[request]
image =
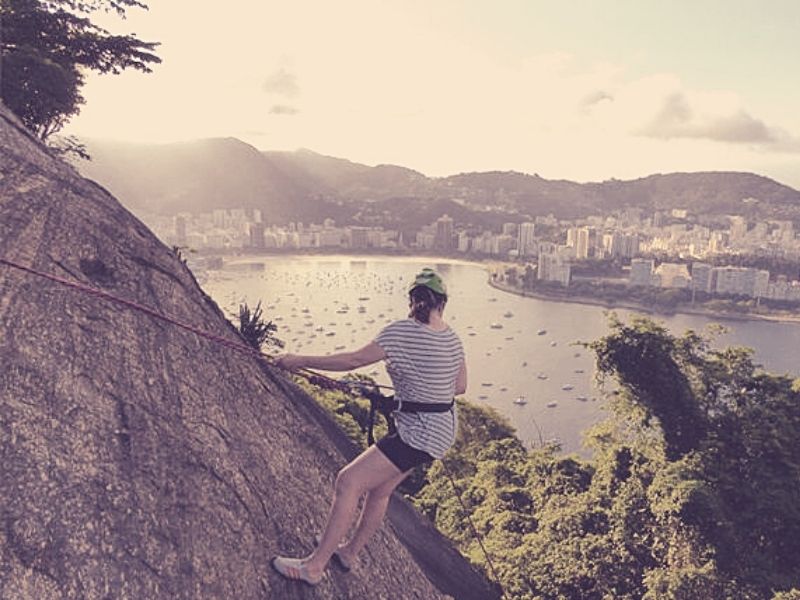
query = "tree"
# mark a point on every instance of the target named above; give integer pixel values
(47, 48)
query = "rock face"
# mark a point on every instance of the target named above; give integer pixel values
(138, 459)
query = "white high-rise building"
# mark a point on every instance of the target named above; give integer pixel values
(702, 280)
(582, 243)
(741, 281)
(738, 227)
(553, 266)
(673, 275)
(526, 240)
(641, 272)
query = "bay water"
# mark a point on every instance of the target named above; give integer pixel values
(524, 356)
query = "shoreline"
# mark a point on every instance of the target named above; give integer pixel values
(489, 265)
(633, 306)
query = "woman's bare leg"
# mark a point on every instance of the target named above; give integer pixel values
(370, 470)
(372, 514)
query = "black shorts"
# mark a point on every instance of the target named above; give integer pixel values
(401, 454)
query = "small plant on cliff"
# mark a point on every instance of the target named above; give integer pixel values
(255, 330)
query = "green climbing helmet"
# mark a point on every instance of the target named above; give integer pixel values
(430, 279)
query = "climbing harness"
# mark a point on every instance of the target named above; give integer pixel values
(385, 405)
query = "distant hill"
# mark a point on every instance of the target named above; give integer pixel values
(194, 176)
(303, 185)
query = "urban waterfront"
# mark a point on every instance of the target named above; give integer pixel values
(516, 347)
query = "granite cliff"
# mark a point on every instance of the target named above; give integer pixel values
(140, 460)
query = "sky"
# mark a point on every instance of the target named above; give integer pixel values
(577, 89)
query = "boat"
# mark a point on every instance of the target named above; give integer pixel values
(487, 384)
(581, 398)
(331, 333)
(567, 387)
(472, 333)
(553, 343)
(496, 326)
(552, 404)
(508, 314)
(340, 347)
(363, 298)
(520, 400)
(541, 376)
(541, 332)
(578, 371)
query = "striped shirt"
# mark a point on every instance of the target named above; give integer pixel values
(423, 365)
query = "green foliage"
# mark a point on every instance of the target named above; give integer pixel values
(47, 48)
(255, 330)
(350, 411)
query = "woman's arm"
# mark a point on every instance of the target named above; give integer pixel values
(461, 379)
(343, 361)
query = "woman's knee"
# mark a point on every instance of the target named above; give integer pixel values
(384, 490)
(347, 482)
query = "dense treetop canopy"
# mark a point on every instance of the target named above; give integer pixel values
(47, 48)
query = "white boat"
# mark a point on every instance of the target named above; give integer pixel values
(552, 404)
(553, 343)
(520, 400)
(541, 332)
(567, 387)
(541, 376)
(496, 326)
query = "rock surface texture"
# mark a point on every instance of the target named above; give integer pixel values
(138, 459)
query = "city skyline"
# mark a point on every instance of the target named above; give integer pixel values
(620, 90)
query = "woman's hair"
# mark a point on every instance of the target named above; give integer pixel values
(423, 300)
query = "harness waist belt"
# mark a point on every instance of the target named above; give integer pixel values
(417, 407)
(386, 405)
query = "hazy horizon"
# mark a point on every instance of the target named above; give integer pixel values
(584, 93)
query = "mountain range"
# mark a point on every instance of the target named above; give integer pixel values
(303, 185)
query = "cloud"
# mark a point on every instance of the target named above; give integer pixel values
(283, 109)
(677, 118)
(282, 83)
(593, 99)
